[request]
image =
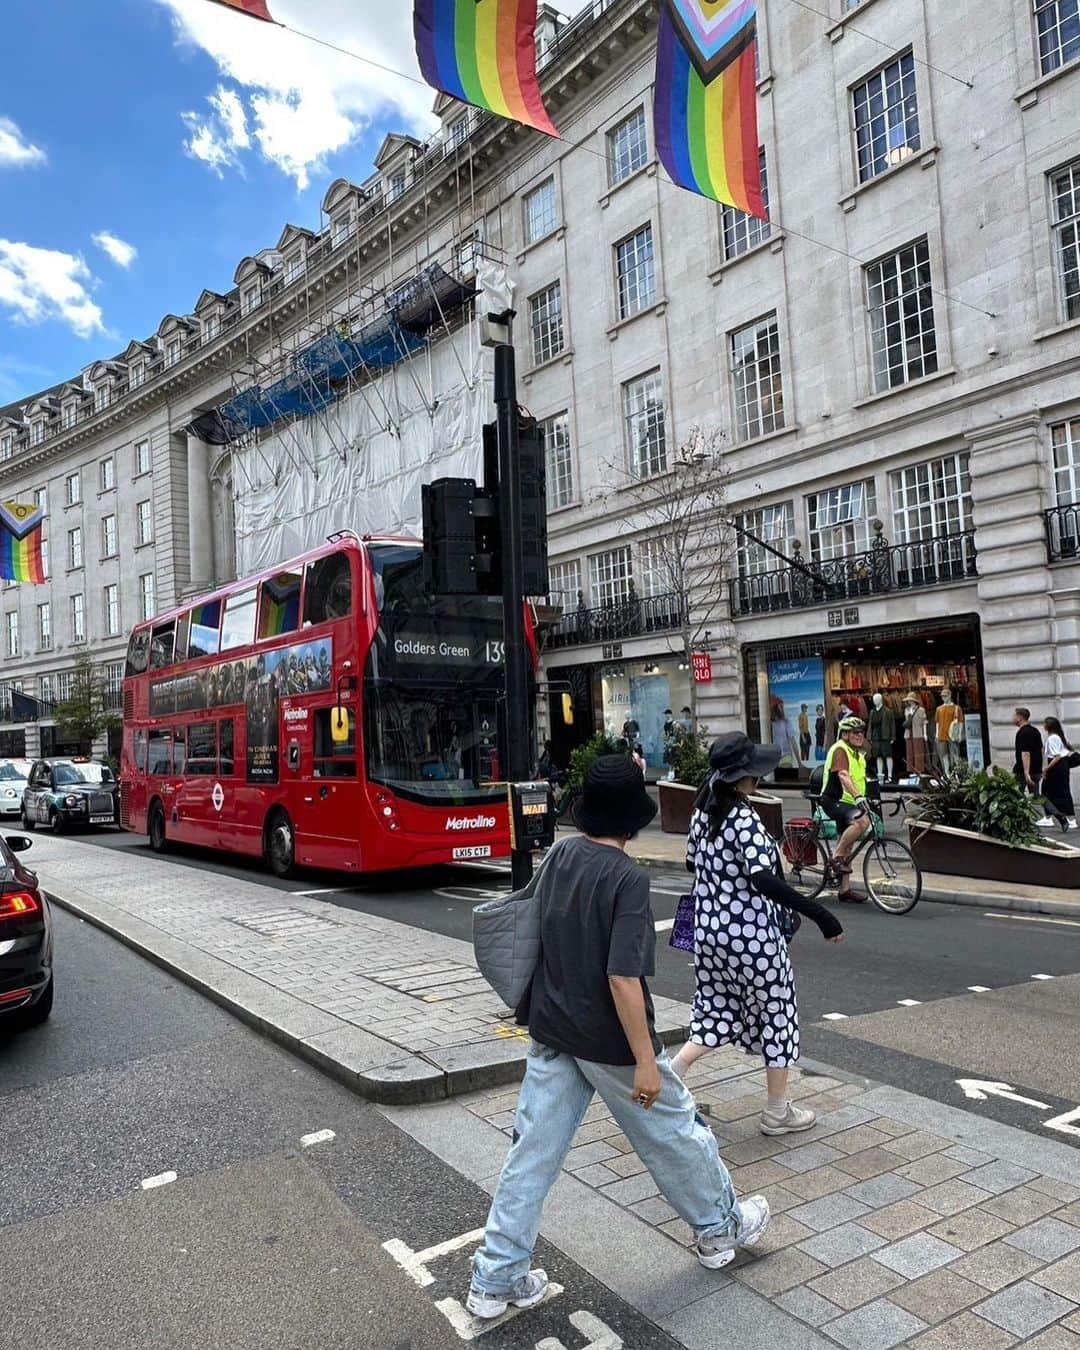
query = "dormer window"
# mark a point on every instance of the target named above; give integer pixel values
(68, 414)
(294, 267)
(457, 131)
(7, 445)
(37, 431)
(341, 227)
(136, 374)
(252, 298)
(173, 351)
(211, 327)
(101, 398)
(395, 186)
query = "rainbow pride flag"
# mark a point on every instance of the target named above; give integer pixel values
(706, 100)
(280, 606)
(20, 559)
(483, 52)
(256, 8)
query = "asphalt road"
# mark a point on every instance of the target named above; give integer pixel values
(259, 1242)
(1023, 1031)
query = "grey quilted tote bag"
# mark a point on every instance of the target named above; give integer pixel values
(506, 939)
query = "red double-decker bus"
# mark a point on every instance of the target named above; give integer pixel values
(326, 713)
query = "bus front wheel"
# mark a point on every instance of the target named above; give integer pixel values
(279, 844)
(155, 829)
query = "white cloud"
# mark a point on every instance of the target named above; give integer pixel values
(37, 284)
(292, 101)
(15, 149)
(122, 253)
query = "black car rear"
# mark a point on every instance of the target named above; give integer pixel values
(26, 978)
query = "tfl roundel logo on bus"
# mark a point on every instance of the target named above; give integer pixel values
(218, 796)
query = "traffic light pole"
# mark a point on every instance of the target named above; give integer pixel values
(518, 712)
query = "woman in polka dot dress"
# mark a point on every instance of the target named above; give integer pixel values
(745, 985)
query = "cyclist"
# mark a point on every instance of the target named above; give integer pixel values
(843, 798)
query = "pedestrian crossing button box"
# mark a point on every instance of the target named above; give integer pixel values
(532, 815)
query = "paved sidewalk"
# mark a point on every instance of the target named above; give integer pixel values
(898, 1221)
(399, 1014)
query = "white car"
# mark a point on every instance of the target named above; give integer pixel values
(13, 776)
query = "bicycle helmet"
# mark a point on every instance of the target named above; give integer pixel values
(851, 724)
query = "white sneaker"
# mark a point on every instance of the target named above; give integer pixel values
(716, 1253)
(530, 1291)
(794, 1119)
(1046, 823)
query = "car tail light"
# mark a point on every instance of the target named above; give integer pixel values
(19, 905)
(16, 996)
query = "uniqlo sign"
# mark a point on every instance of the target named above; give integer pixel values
(702, 664)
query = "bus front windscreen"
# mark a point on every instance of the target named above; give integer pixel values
(432, 686)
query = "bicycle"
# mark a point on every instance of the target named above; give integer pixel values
(892, 877)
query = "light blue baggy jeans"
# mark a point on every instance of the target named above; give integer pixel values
(680, 1152)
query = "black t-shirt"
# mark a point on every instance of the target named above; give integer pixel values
(595, 922)
(1028, 738)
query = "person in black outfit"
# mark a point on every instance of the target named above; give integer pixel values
(1029, 752)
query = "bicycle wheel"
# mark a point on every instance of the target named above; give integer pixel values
(808, 878)
(891, 876)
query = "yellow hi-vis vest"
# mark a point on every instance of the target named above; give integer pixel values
(856, 770)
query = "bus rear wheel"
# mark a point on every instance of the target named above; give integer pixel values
(279, 844)
(155, 829)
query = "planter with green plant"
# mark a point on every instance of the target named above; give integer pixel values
(688, 760)
(983, 825)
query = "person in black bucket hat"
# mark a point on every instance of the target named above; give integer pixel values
(745, 991)
(590, 1016)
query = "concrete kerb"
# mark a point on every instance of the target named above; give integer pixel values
(374, 1068)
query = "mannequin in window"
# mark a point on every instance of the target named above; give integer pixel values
(950, 731)
(882, 733)
(915, 734)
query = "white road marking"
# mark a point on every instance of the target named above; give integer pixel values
(979, 989)
(659, 890)
(665, 925)
(1042, 977)
(909, 1002)
(1068, 1123)
(469, 1327)
(326, 890)
(1035, 918)
(319, 1137)
(976, 1091)
(164, 1179)
(835, 1017)
(603, 1338)
(415, 1263)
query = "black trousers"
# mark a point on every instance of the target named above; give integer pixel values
(1056, 791)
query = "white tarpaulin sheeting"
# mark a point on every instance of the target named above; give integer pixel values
(421, 420)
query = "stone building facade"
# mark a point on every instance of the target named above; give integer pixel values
(891, 365)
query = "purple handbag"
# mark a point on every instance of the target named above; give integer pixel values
(682, 933)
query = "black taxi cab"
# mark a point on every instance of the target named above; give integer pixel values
(64, 793)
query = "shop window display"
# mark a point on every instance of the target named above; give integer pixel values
(642, 702)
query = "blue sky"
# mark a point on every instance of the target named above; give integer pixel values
(146, 146)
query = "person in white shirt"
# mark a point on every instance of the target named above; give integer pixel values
(1055, 784)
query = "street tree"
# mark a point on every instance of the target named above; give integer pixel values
(85, 715)
(687, 546)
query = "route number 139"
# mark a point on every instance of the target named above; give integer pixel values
(495, 653)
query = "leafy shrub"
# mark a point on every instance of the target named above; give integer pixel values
(688, 756)
(581, 759)
(990, 803)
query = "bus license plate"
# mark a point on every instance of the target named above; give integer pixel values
(101, 820)
(473, 851)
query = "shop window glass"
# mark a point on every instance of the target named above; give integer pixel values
(279, 607)
(334, 760)
(202, 749)
(160, 753)
(226, 762)
(238, 630)
(328, 590)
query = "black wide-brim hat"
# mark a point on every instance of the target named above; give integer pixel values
(613, 802)
(734, 756)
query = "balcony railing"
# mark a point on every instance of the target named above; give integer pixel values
(1063, 533)
(879, 570)
(636, 616)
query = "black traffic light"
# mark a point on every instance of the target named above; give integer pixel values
(463, 552)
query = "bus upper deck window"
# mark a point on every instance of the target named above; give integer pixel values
(205, 623)
(138, 657)
(238, 630)
(279, 606)
(161, 646)
(328, 594)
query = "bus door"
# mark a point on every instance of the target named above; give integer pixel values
(195, 810)
(327, 791)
